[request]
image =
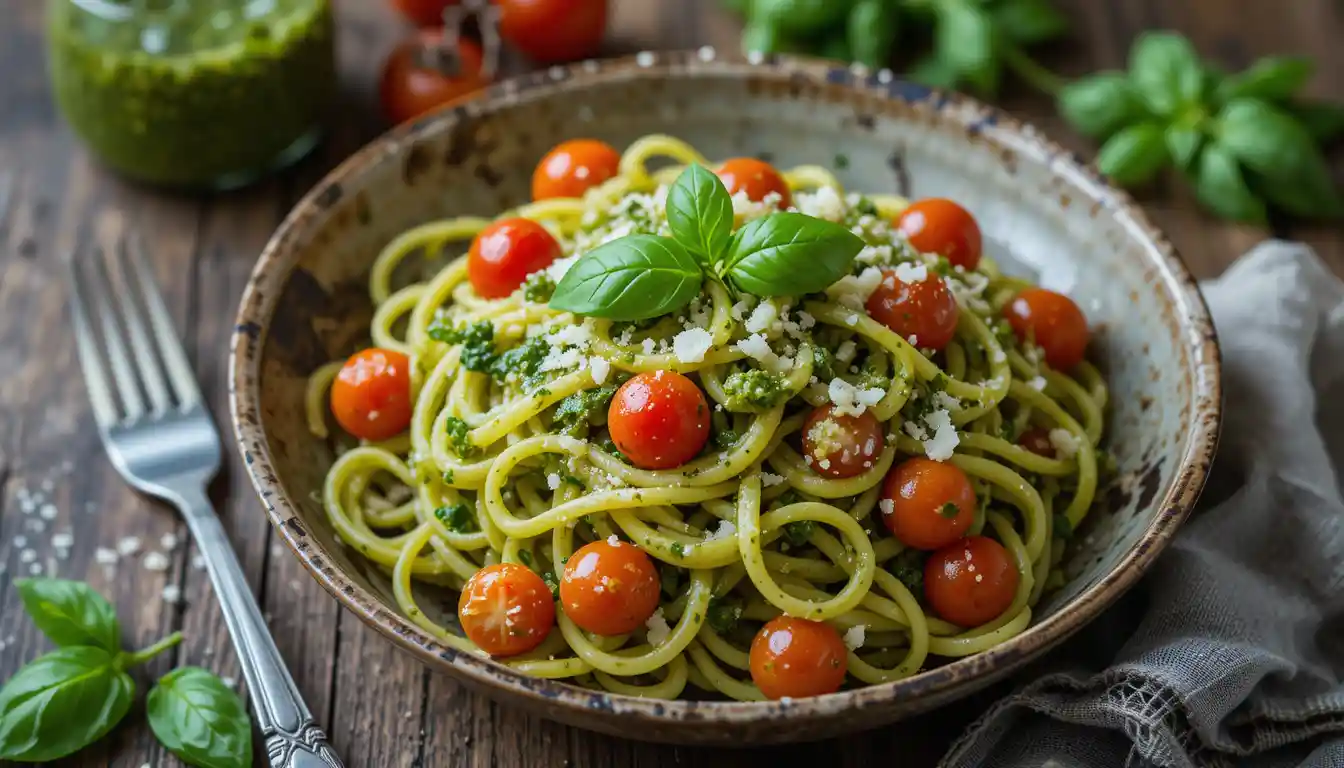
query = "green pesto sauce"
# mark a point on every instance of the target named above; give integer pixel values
(195, 93)
(754, 389)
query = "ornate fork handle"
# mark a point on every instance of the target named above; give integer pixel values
(292, 739)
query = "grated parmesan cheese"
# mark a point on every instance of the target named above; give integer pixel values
(726, 530)
(825, 203)
(657, 629)
(691, 345)
(1065, 443)
(846, 350)
(854, 637)
(1037, 383)
(887, 506)
(769, 480)
(945, 438)
(553, 480)
(757, 348)
(850, 400)
(912, 273)
(599, 368)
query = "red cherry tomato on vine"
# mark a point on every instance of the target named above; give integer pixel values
(573, 167)
(414, 82)
(424, 13)
(971, 581)
(505, 253)
(841, 446)
(755, 177)
(927, 504)
(1053, 321)
(506, 609)
(609, 589)
(551, 31)
(796, 658)
(371, 395)
(923, 312)
(659, 420)
(935, 225)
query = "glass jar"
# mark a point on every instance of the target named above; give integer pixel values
(201, 94)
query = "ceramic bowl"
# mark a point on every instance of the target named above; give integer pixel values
(1043, 210)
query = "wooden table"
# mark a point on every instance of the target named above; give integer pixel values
(380, 707)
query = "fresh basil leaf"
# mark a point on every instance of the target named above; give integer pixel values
(1134, 155)
(1222, 188)
(1273, 79)
(1030, 21)
(836, 47)
(1183, 143)
(1323, 120)
(1166, 71)
(700, 213)
(790, 254)
(200, 719)
(764, 37)
(1291, 170)
(965, 40)
(800, 17)
(71, 613)
(1101, 104)
(61, 702)
(932, 70)
(871, 32)
(630, 278)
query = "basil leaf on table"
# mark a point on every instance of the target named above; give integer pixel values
(1030, 21)
(1293, 172)
(1322, 120)
(1221, 187)
(1274, 79)
(790, 254)
(1134, 155)
(1183, 143)
(1166, 71)
(62, 702)
(633, 278)
(71, 613)
(700, 213)
(871, 32)
(1100, 105)
(200, 719)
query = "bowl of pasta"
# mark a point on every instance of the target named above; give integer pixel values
(708, 400)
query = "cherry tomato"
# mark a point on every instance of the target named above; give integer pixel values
(924, 313)
(932, 503)
(971, 581)
(756, 178)
(424, 13)
(659, 420)
(413, 82)
(796, 658)
(573, 168)
(371, 396)
(1037, 440)
(1053, 321)
(554, 30)
(841, 446)
(506, 609)
(505, 253)
(609, 588)
(935, 225)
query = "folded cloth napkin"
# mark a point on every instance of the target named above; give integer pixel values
(1231, 651)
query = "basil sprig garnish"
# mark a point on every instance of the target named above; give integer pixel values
(64, 701)
(637, 277)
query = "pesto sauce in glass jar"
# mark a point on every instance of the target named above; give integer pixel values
(202, 94)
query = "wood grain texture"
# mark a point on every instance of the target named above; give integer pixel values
(380, 707)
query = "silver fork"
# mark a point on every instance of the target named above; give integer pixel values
(160, 437)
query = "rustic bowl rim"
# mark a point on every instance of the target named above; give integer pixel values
(1195, 324)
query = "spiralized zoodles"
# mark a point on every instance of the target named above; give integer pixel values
(842, 471)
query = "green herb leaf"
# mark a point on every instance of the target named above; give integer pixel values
(1324, 121)
(723, 614)
(61, 702)
(457, 518)
(932, 70)
(908, 568)
(1275, 78)
(802, 17)
(577, 413)
(552, 583)
(1166, 72)
(1222, 188)
(539, 287)
(458, 435)
(871, 32)
(678, 549)
(763, 37)
(1183, 143)
(1134, 155)
(799, 532)
(1063, 529)
(1290, 168)
(790, 254)
(949, 510)
(1030, 21)
(630, 278)
(1101, 104)
(700, 213)
(200, 719)
(964, 40)
(71, 613)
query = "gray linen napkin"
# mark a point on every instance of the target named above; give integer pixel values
(1231, 651)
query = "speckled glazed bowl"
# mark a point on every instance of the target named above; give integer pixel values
(1044, 211)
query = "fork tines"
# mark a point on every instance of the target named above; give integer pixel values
(133, 363)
